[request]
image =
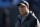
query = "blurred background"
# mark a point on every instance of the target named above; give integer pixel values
(9, 11)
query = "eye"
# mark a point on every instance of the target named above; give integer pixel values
(23, 6)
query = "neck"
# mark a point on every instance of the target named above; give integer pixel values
(24, 15)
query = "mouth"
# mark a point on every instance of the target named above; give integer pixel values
(22, 11)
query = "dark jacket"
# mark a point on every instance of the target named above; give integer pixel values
(30, 21)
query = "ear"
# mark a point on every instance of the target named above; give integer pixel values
(28, 7)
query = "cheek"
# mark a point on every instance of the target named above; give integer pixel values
(24, 9)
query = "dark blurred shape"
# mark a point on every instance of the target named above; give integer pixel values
(4, 17)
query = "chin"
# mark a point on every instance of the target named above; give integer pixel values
(22, 13)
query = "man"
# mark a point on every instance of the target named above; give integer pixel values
(25, 19)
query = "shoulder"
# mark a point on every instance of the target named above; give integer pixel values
(32, 16)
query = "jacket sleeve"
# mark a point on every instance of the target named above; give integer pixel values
(34, 23)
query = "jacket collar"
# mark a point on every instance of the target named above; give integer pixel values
(25, 17)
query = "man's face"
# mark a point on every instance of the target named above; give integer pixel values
(23, 9)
